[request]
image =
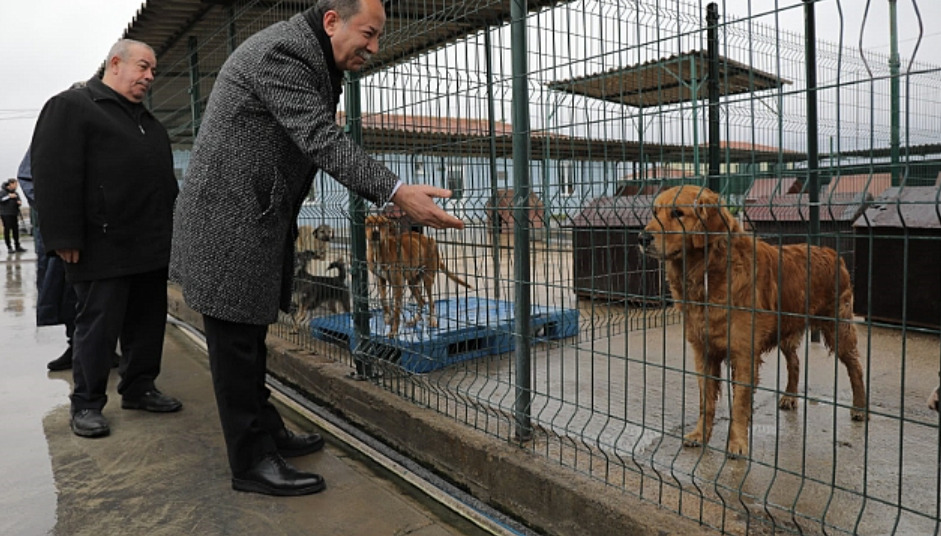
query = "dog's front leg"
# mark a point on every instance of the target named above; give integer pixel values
(383, 297)
(429, 286)
(709, 371)
(419, 301)
(789, 399)
(744, 378)
(397, 290)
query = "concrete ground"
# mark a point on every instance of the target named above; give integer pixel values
(162, 474)
(609, 409)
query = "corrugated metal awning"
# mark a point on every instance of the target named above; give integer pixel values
(679, 78)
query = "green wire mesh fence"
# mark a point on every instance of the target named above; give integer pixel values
(569, 342)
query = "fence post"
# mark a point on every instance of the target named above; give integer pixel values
(496, 227)
(894, 65)
(360, 290)
(521, 192)
(196, 110)
(712, 38)
(813, 151)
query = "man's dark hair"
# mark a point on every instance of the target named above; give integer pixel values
(344, 8)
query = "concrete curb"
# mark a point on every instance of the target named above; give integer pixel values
(546, 496)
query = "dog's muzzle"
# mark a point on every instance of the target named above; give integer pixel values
(646, 244)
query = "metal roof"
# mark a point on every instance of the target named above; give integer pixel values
(912, 207)
(885, 152)
(796, 208)
(668, 81)
(413, 27)
(633, 211)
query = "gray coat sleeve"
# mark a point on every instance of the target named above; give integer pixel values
(295, 89)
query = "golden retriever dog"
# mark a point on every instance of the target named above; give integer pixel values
(400, 258)
(740, 297)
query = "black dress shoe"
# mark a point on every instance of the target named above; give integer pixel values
(152, 401)
(290, 445)
(89, 423)
(274, 476)
(63, 362)
(20, 250)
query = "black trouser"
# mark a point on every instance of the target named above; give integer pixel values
(11, 226)
(238, 359)
(132, 308)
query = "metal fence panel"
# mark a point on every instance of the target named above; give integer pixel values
(624, 99)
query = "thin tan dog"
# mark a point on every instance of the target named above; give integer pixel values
(313, 239)
(399, 259)
(740, 297)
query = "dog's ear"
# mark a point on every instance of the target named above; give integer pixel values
(712, 219)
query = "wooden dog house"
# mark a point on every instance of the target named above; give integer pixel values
(898, 251)
(608, 264)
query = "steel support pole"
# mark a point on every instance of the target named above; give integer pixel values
(495, 225)
(195, 98)
(894, 66)
(813, 151)
(358, 270)
(521, 191)
(712, 38)
(231, 41)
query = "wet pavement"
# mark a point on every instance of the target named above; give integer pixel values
(162, 473)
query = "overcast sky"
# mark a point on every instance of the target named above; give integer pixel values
(46, 45)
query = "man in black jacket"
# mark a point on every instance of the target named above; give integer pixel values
(10, 213)
(104, 183)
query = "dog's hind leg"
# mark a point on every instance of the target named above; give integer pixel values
(709, 371)
(299, 316)
(847, 351)
(789, 349)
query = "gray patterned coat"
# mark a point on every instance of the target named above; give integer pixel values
(269, 126)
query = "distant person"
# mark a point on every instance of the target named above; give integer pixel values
(933, 399)
(10, 204)
(56, 301)
(103, 175)
(269, 126)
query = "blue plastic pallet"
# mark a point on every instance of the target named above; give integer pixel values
(468, 328)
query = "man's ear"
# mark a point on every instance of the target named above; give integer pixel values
(330, 21)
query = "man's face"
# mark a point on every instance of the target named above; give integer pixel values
(132, 76)
(356, 39)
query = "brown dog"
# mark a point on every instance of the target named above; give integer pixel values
(740, 297)
(313, 239)
(399, 259)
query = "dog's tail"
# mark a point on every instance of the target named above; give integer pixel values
(451, 276)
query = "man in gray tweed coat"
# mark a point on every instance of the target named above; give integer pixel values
(269, 127)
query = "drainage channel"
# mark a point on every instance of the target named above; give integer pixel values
(457, 501)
